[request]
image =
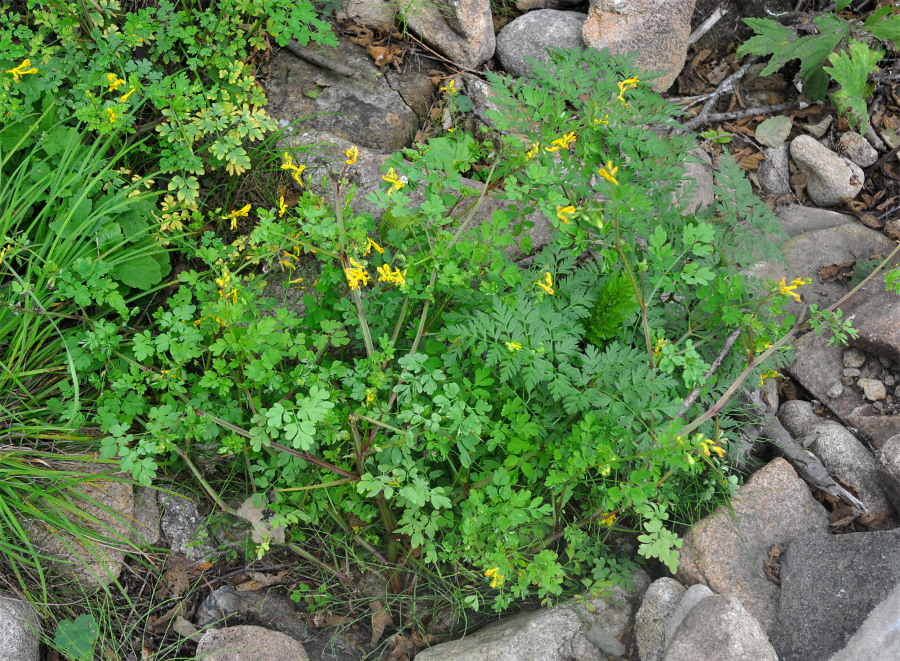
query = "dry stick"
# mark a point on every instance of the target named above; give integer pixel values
(726, 348)
(747, 112)
(804, 462)
(312, 57)
(725, 86)
(441, 57)
(706, 25)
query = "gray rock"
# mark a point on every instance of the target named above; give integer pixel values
(817, 367)
(146, 517)
(720, 628)
(876, 315)
(268, 607)
(851, 371)
(829, 176)
(531, 34)
(857, 149)
(531, 5)
(184, 527)
(796, 219)
(727, 549)
(460, 29)
(699, 168)
(552, 634)
(19, 630)
(372, 13)
(873, 389)
(378, 109)
(660, 601)
(694, 595)
(848, 460)
(774, 173)
(853, 358)
(797, 417)
(879, 635)
(829, 585)
(888, 458)
(657, 30)
(806, 253)
(249, 643)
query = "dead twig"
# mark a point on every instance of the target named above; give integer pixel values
(726, 348)
(725, 86)
(740, 114)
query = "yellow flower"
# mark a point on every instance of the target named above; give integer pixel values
(767, 375)
(531, 153)
(355, 274)
(608, 519)
(563, 213)
(234, 215)
(497, 579)
(4, 250)
(114, 82)
(124, 97)
(609, 173)
(605, 119)
(398, 277)
(657, 348)
(287, 264)
(626, 85)
(450, 88)
(513, 346)
(22, 70)
(784, 288)
(548, 287)
(295, 170)
(282, 207)
(370, 396)
(561, 143)
(371, 244)
(351, 155)
(111, 115)
(396, 182)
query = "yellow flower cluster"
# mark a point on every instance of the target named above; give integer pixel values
(398, 277)
(356, 273)
(282, 207)
(4, 250)
(657, 348)
(450, 88)
(513, 346)
(563, 213)
(547, 285)
(625, 86)
(114, 82)
(609, 173)
(561, 143)
(784, 288)
(708, 445)
(370, 244)
(608, 519)
(23, 69)
(295, 170)
(497, 579)
(243, 212)
(225, 289)
(352, 154)
(767, 375)
(535, 148)
(395, 182)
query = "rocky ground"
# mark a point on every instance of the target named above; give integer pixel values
(805, 564)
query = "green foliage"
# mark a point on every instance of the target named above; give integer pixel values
(182, 71)
(851, 66)
(438, 401)
(76, 638)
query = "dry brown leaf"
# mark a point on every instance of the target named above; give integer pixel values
(360, 36)
(719, 74)
(176, 579)
(161, 624)
(891, 122)
(871, 221)
(185, 629)
(842, 272)
(752, 161)
(259, 580)
(381, 618)
(386, 54)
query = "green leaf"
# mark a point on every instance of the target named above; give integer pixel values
(887, 29)
(774, 131)
(851, 70)
(140, 272)
(77, 638)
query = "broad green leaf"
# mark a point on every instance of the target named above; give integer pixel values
(141, 272)
(887, 29)
(774, 131)
(851, 70)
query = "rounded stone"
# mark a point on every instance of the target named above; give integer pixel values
(857, 149)
(853, 358)
(531, 34)
(829, 176)
(660, 602)
(873, 389)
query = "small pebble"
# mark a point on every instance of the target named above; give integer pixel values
(873, 389)
(847, 380)
(885, 361)
(888, 380)
(835, 391)
(854, 358)
(851, 371)
(878, 406)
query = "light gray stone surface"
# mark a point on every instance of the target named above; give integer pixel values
(857, 149)
(462, 30)
(531, 34)
(797, 219)
(657, 29)
(184, 528)
(19, 630)
(693, 596)
(552, 634)
(774, 173)
(249, 643)
(660, 601)
(720, 628)
(888, 458)
(878, 639)
(829, 176)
